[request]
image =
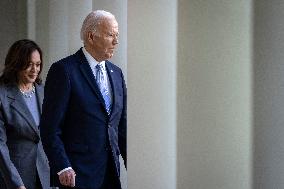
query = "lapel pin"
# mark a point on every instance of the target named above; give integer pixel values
(111, 71)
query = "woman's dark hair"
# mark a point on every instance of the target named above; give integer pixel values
(18, 59)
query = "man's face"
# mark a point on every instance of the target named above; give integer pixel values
(105, 40)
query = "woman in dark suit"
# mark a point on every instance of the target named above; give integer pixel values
(23, 163)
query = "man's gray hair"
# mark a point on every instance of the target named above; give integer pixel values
(92, 21)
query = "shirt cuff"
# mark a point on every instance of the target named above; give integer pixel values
(63, 170)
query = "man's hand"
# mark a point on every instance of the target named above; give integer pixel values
(67, 178)
(21, 187)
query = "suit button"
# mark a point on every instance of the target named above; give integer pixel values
(109, 125)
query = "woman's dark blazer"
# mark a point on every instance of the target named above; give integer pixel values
(21, 152)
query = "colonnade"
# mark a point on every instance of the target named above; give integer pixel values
(205, 84)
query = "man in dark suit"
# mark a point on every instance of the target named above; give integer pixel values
(83, 124)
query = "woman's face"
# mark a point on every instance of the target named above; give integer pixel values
(30, 74)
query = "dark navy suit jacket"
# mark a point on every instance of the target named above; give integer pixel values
(76, 129)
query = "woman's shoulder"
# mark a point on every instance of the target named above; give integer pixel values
(39, 85)
(6, 90)
(39, 88)
(6, 87)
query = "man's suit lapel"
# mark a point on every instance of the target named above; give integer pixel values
(89, 76)
(20, 106)
(111, 76)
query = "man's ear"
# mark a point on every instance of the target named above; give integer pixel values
(90, 37)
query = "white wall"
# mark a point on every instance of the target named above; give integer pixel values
(151, 94)
(269, 94)
(214, 104)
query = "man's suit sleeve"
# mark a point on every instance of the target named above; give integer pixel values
(122, 128)
(56, 98)
(8, 171)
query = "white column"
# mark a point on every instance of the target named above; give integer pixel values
(13, 19)
(269, 95)
(42, 32)
(214, 92)
(31, 19)
(58, 30)
(77, 11)
(51, 30)
(151, 94)
(58, 25)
